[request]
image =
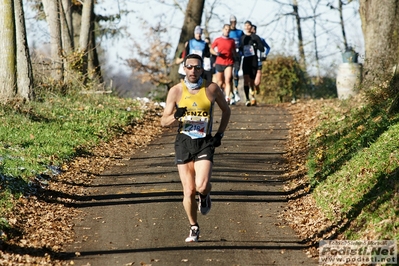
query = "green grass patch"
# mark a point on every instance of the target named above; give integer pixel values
(36, 135)
(353, 168)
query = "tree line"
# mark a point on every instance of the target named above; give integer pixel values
(73, 31)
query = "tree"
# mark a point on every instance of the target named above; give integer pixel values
(380, 30)
(192, 18)
(302, 60)
(8, 51)
(66, 33)
(152, 63)
(52, 11)
(15, 68)
(24, 65)
(341, 19)
(72, 39)
(66, 26)
(85, 31)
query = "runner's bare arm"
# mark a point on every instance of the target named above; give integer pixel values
(168, 114)
(220, 100)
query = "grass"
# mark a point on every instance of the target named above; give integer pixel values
(38, 137)
(354, 170)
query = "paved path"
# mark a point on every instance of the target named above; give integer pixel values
(134, 214)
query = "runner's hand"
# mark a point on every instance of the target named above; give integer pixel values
(217, 140)
(180, 112)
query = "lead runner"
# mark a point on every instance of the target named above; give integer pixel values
(191, 103)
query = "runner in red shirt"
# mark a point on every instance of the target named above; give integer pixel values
(225, 50)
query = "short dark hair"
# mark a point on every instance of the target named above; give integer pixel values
(248, 22)
(254, 26)
(193, 56)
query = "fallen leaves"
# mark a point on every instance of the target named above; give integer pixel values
(302, 213)
(42, 224)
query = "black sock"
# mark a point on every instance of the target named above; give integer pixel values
(246, 90)
(202, 196)
(196, 224)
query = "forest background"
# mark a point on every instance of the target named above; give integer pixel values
(129, 30)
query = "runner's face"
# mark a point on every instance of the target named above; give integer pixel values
(193, 74)
(233, 24)
(248, 27)
(226, 31)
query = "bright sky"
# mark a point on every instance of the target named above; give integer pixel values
(281, 36)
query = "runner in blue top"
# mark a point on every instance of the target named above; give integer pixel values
(236, 35)
(201, 48)
(261, 57)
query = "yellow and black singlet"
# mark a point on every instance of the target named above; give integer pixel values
(197, 121)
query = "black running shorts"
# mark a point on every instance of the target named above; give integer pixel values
(187, 149)
(250, 66)
(221, 68)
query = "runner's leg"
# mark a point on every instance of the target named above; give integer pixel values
(187, 178)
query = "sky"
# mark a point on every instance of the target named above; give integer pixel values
(273, 21)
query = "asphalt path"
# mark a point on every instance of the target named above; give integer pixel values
(134, 215)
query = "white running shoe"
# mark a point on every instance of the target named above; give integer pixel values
(237, 97)
(204, 204)
(194, 234)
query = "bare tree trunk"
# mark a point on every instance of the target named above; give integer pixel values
(341, 19)
(302, 58)
(380, 29)
(24, 66)
(76, 24)
(192, 18)
(94, 63)
(51, 8)
(66, 26)
(316, 48)
(67, 37)
(85, 30)
(8, 51)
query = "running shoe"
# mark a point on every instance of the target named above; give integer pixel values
(194, 234)
(248, 103)
(204, 204)
(237, 97)
(253, 102)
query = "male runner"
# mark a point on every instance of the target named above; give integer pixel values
(250, 44)
(224, 48)
(236, 35)
(191, 103)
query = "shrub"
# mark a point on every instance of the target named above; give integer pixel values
(282, 79)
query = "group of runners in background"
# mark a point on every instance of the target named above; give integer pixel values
(224, 57)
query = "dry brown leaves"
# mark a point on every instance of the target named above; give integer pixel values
(42, 223)
(302, 213)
